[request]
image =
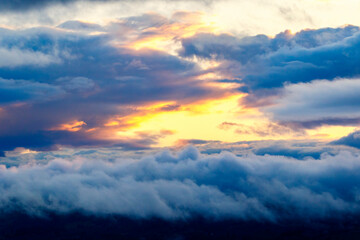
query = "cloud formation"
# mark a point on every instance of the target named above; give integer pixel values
(265, 64)
(17, 91)
(81, 72)
(107, 76)
(352, 140)
(281, 74)
(188, 184)
(23, 5)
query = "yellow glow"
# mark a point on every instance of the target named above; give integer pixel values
(331, 132)
(198, 121)
(206, 64)
(19, 151)
(111, 124)
(202, 121)
(143, 113)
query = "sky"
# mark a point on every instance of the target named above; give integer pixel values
(161, 99)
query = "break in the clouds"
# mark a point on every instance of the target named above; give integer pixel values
(92, 93)
(85, 84)
(308, 79)
(265, 63)
(55, 78)
(188, 184)
(95, 84)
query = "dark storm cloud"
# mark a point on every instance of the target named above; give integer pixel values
(188, 184)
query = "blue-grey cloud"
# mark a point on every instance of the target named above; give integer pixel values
(24, 5)
(62, 76)
(281, 74)
(319, 102)
(17, 91)
(246, 49)
(51, 140)
(352, 140)
(299, 149)
(188, 184)
(266, 64)
(81, 26)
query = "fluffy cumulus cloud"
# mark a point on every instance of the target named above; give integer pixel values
(188, 184)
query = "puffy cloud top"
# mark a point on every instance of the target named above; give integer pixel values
(220, 186)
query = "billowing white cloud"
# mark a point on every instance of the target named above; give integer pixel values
(188, 184)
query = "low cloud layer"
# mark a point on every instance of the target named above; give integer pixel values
(188, 184)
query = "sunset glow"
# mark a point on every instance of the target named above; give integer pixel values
(179, 119)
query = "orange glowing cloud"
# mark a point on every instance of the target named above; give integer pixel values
(71, 126)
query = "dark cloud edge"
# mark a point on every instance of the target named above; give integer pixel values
(26, 5)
